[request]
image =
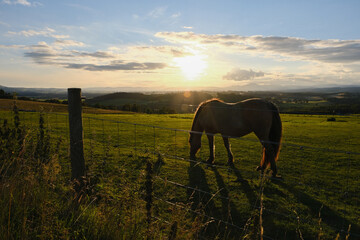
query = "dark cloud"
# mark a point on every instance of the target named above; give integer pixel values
(69, 59)
(39, 54)
(97, 54)
(335, 51)
(117, 66)
(241, 75)
(46, 56)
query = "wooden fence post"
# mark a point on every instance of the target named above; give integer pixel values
(76, 134)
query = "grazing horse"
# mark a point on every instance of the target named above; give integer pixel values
(237, 120)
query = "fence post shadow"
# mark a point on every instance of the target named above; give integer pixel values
(328, 216)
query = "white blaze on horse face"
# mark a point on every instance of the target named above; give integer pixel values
(191, 66)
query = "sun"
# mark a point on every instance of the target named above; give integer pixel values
(191, 66)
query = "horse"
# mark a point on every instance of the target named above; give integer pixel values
(236, 120)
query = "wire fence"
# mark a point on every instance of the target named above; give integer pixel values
(315, 179)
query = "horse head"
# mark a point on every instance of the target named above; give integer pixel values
(195, 144)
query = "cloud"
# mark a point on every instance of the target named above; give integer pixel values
(45, 57)
(176, 15)
(4, 24)
(59, 36)
(157, 12)
(90, 61)
(30, 33)
(22, 2)
(97, 54)
(115, 66)
(187, 27)
(329, 51)
(81, 7)
(12, 46)
(67, 43)
(241, 75)
(167, 50)
(46, 32)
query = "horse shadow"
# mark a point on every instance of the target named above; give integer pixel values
(200, 200)
(227, 212)
(249, 191)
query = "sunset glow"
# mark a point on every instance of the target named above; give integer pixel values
(192, 67)
(173, 45)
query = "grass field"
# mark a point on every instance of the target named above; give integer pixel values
(317, 198)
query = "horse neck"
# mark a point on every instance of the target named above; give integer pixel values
(196, 126)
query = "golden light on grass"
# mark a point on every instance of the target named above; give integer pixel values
(191, 66)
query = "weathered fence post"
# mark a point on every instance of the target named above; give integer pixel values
(76, 134)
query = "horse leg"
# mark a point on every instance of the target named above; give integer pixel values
(227, 146)
(272, 160)
(211, 148)
(269, 157)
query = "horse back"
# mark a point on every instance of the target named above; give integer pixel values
(258, 114)
(236, 119)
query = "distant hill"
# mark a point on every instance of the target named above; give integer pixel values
(44, 93)
(349, 89)
(177, 101)
(316, 102)
(61, 93)
(32, 106)
(341, 99)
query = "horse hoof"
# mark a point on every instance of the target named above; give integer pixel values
(231, 163)
(210, 161)
(277, 177)
(258, 168)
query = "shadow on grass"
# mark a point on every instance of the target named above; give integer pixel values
(232, 221)
(329, 217)
(249, 191)
(200, 200)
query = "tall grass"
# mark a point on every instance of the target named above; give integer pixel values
(38, 200)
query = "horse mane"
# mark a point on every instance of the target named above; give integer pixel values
(202, 105)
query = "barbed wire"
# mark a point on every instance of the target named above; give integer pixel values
(199, 213)
(194, 189)
(207, 216)
(261, 208)
(228, 136)
(232, 169)
(301, 147)
(228, 168)
(214, 134)
(262, 176)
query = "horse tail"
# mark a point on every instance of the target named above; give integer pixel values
(275, 135)
(276, 132)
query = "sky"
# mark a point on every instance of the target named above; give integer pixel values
(180, 45)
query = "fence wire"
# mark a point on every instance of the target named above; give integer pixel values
(96, 133)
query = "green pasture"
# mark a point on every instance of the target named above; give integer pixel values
(318, 197)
